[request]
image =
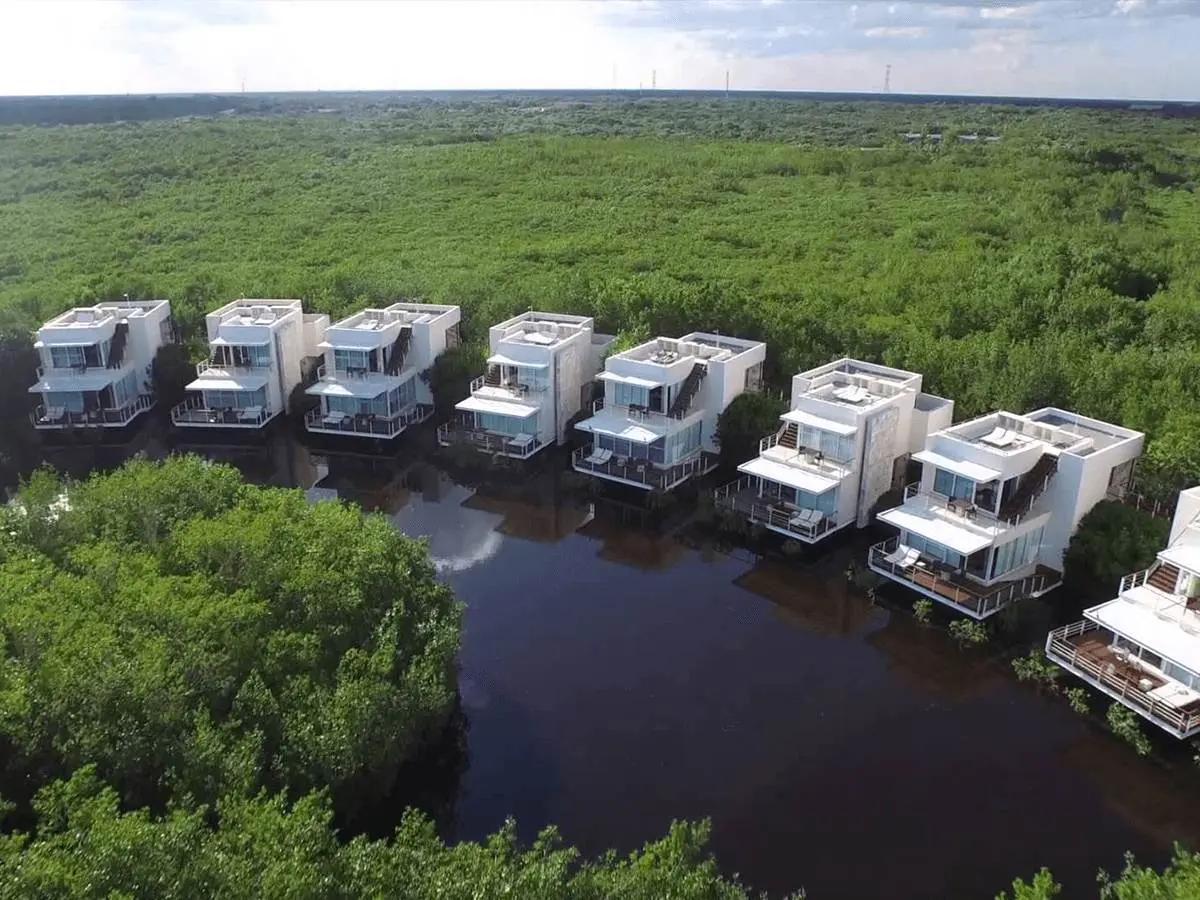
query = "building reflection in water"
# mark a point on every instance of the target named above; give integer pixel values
(820, 601)
(630, 535)
(929, 658)
(1160, 802)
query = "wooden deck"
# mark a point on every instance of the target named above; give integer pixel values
(1096, 646)
(964, 592)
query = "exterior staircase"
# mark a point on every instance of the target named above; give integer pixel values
(687, 391)
(1164, 577)
(492, 377)
(1030, 488)
(788, 436)
(116, 350)
(399, 351)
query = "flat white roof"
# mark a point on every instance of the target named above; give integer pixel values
(499, 359)
(499, 407)
(622, 427)
(359, 387)
(1135, 619)
(962, 467)
(937, 530)
(1186, 556)
(800, 417)
(93, 380)
(789, 475)
(239, 383)
(632, 380)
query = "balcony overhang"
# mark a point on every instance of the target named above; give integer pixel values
(239, 383)
(499, 359)
(631, 380)
(1136, 621)
(800, 417)
(1185, 556)
(496, 407)
(960, 540)
(965, 468)
(623, 428)
(93, 380)
(792, 476)
(362, 388)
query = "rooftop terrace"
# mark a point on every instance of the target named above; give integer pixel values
(664, 351)
(1053, 429)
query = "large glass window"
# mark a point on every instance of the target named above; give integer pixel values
(957, 487)
(507, 424)
(627, 448)
(629, 395)
(346, 360)
(72, 401)
(235, 399)
(835, 446)
(683, 443)
(67, 357)
(125, 390)
(773, 490)
(1017, 553)
(361, 406)
(536, 378)
(825, 502)
(933, 550)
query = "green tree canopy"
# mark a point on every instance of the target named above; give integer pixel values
(193, 636)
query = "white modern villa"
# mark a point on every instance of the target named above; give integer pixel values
(370, 384)
(97, 363)
(845, 441)
(997, 503)
(257, 350)
(538, 375)
(655, 427)
(1143, 648)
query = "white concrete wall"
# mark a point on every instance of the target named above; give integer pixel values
(1186, 512)
(925, 422)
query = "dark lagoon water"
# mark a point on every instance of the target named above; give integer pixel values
(617, 673)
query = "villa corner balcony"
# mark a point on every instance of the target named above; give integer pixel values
(321, 422)
(1085, 649)
(742, 497)
(640, 473)
(952, 587)
(49, 418)
(193, 413)
(462, 431)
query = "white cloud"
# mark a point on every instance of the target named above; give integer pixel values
(896, 31)
(1048, 47)
(1006, 12)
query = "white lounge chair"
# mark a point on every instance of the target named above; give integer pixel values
(805, 518)
(903, 556)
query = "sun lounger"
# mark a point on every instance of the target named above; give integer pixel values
(903, 556)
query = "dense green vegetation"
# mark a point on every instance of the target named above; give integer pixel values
(240, 666)
(218, 638)
(1057, 265)
(1112, 541)
(237, 666)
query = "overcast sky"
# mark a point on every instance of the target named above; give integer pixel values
(1073, 48)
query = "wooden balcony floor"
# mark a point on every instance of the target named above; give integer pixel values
(963, 591)
(1095, 646)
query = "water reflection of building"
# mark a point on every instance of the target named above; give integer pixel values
(277, 462)
(928, 658)
(633, 536)
(541, 519)
(1158, 801)
(822, 602)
